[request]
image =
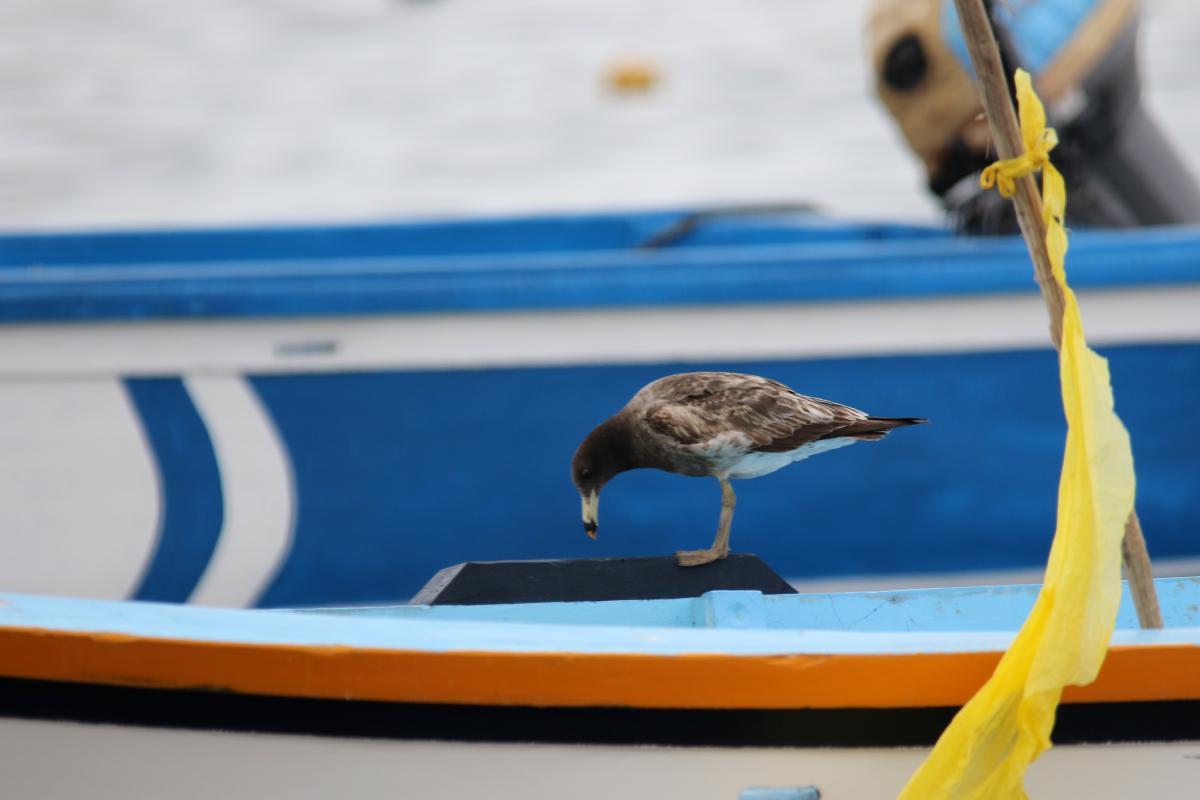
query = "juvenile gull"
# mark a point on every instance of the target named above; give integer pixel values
(721, 424)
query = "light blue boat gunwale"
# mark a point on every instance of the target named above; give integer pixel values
(977, 608)
(734, 623)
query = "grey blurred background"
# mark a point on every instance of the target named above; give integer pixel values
(143, 112)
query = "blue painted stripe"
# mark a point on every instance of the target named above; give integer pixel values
(190, 481)
(861, 267)
(258, 627)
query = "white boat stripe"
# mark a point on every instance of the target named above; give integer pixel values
(79, 495)
(258, 490)
(589, 336)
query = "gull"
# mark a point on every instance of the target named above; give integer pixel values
(724, 425)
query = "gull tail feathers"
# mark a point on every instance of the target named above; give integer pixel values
(874, 428)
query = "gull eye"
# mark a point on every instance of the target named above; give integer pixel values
(585, 473)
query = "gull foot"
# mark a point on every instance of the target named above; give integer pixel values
(694, 558)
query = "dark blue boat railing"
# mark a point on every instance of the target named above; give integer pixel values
(550, 263)
(775, 224)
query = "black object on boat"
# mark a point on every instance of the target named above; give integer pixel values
(656, 578)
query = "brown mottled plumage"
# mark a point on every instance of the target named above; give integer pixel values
(722, 424)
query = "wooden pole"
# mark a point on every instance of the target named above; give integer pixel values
(1006, 133)
(1141, 579)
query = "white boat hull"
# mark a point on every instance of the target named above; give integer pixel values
(60, 760)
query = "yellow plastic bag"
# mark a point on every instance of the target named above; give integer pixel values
(1006, 725)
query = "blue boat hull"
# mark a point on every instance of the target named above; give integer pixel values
(315, 416)
(401, 473)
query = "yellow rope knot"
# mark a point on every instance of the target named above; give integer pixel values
(1039, 141)
(1003, 174)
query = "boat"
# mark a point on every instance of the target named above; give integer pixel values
(308, 419)
(733, 694)
(327, 415)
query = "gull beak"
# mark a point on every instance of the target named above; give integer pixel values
(591, 512)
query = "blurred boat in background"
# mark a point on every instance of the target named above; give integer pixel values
(1120, 167)
(294, 416)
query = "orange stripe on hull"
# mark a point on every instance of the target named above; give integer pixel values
(1166, 672)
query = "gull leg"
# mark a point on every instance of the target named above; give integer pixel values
(720, 545)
